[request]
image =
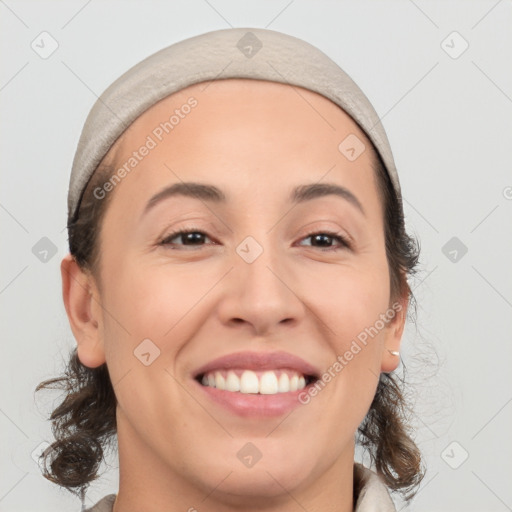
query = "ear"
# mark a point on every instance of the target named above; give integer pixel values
(81, 300)
(393, 335)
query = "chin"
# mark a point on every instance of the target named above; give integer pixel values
(281, 467)
(260, 484)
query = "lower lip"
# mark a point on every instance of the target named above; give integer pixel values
(252, 404)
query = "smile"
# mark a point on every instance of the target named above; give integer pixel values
(268, 382)
(255, 384)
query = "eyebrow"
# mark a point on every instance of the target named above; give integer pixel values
(211, 193)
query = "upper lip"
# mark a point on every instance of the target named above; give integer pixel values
(259, 361)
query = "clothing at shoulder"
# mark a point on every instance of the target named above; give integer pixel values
(371, 494)
(106, 504)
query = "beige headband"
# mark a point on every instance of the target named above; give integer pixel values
(231, 53)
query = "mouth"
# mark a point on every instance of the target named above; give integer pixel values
(269, 382)
(256, 384)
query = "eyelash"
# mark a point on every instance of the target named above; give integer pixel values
(345, 244)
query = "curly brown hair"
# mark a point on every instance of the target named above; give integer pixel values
(84, 423)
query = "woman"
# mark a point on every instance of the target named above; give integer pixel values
(237, 286)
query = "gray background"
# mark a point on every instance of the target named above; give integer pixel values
(449, 121)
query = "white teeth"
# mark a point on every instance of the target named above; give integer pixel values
(249, 382)
(284, 383)
(232, 382)
(266, 383)
(294, 383)
(220, 382)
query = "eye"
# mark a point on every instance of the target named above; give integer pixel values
(324, 238)
(194, 237)
(189, 236)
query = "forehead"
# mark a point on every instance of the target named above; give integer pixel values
(246, 135)
(225, 110)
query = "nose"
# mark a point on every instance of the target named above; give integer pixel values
(261, 295)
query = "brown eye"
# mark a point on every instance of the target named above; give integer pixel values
(324, 240)
(188, 237)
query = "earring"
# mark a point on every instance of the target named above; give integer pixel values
(394, 352)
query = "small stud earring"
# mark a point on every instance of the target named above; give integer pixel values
(394, 352)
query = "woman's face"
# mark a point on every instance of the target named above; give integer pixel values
(261, 285)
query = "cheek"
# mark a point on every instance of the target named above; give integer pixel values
(350, 304)
(151, 302)
(349, 299)
(149, 317)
